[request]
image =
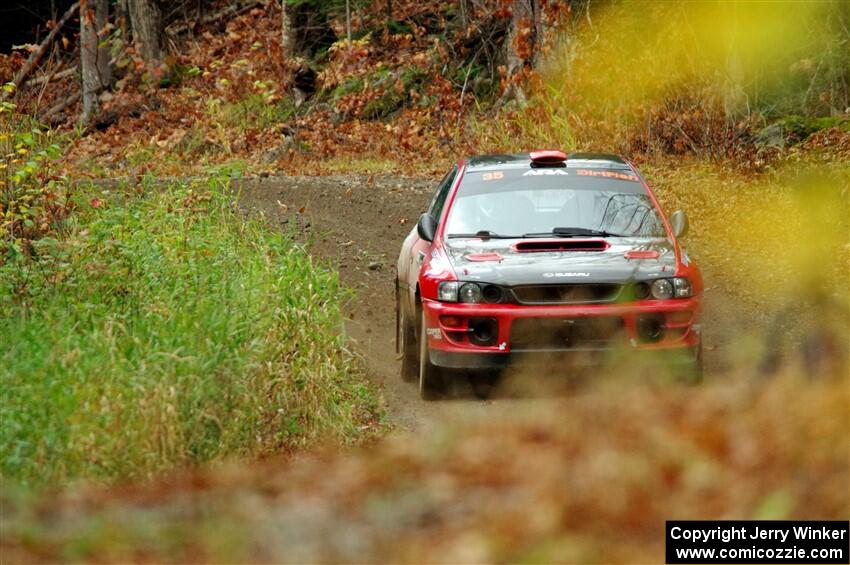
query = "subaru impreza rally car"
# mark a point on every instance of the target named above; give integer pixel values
(541, 256)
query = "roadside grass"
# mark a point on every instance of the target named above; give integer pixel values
(253, 111)
(160, 330)
(362, 165)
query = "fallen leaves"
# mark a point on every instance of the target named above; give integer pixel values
(547, 482)
(393, 102)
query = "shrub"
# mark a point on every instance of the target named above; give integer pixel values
(33, 198)
(676, 78)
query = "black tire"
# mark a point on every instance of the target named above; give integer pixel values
(431, 383)
(409, 349)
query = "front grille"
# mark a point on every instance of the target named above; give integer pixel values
(564, 334)
(566, 293)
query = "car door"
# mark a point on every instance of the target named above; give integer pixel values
(419, 248)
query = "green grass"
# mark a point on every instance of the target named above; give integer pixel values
(164, 330)
(361, 165)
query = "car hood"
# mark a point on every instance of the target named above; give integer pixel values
(499, 262)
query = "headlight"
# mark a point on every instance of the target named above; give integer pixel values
(491, 293)
(662, 289)
(447, 291)
(682, 287)
(640, 291)
(470, 292)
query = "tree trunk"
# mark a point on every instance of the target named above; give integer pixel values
(520, 45)
(94, 58)
(540, 24)
(147, 30)
(286, 37)
(36, 55)
(88, 60)
(122, 17)
(101, 20)
(348, 22)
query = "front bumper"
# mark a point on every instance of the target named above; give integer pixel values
(671, 357)
(587, 333)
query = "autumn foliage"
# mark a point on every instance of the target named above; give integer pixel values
(108, 230)
(432, 84)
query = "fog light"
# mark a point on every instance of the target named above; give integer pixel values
(483, 331)
(650, 327)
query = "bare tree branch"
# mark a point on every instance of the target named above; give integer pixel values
(36, 55)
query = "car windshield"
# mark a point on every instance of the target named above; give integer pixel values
(560, 202)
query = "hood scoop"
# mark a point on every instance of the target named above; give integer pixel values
(483, 257)
(538, 246)
(642, 254)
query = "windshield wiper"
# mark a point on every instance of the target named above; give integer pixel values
(483, 234)
(574, 232)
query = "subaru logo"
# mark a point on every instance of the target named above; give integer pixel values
(564, 275)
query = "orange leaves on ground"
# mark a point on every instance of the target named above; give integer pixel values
(547, 482)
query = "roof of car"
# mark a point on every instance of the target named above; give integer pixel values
(523, 160)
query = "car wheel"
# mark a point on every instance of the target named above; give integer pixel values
(409, 350)
(431, 384)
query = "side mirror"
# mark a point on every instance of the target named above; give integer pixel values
(427, 227)
(679, 223)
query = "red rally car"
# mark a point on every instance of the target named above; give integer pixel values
(540, 256)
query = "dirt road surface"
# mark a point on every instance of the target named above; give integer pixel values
(357, 223)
